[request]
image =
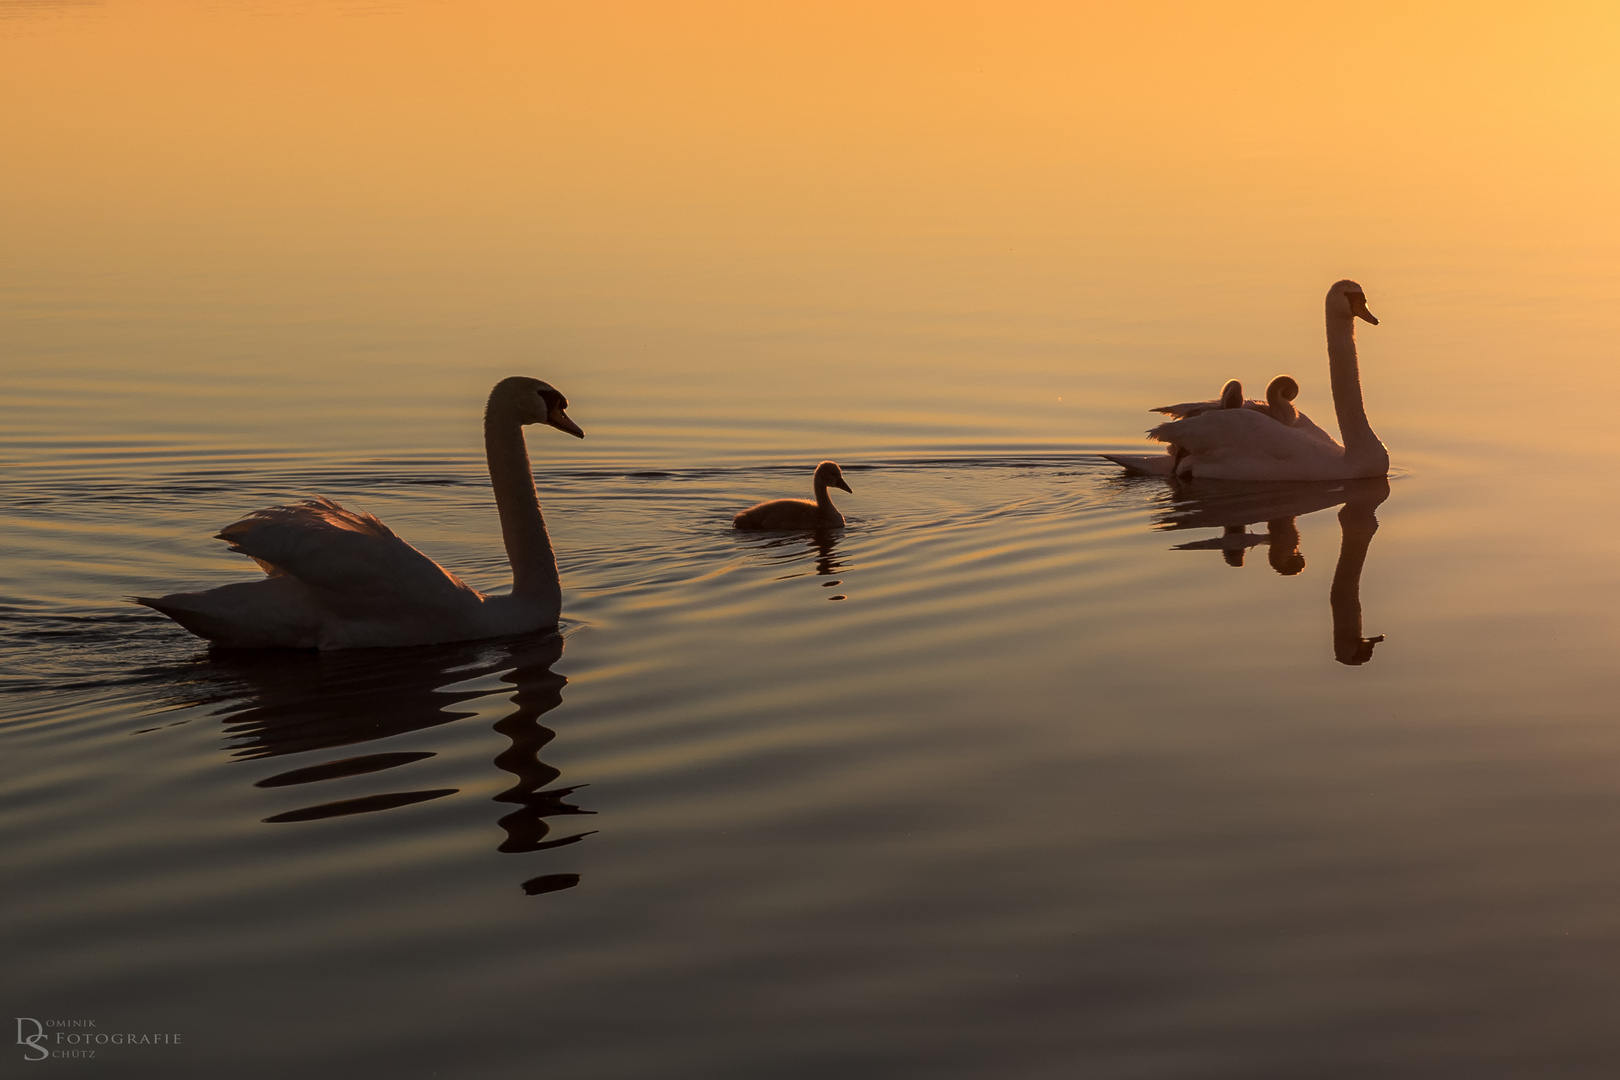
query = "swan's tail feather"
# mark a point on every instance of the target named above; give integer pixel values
(268, 613)
(198, 622)
(1143, 464)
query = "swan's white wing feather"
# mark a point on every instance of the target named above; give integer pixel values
(1242, 444)
(1306, 425)
(1198, 408)
(352, 561)
(1186, 408)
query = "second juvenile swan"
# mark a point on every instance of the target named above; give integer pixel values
(1246, 444)
(341, 579)
(800, 513)
(1279, 405)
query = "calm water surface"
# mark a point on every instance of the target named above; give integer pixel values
(1034, 770)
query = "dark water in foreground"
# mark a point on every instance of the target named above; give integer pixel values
(1032, 771)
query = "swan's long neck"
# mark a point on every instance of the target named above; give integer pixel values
(824, 501)
(534, 564)
(1344, 372)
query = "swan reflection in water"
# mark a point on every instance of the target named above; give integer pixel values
(306, 703)
(1233, 507)
(823, 543)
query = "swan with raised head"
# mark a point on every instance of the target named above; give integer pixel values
(1247, 444)
(340, 579)
(800, 513)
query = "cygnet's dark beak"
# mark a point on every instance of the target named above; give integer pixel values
(839, 483)
(557, 418)
(1358, 308)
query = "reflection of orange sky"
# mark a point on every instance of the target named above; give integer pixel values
(1203, 168)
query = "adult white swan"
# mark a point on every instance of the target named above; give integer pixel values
(1247, 444)
(339, 579)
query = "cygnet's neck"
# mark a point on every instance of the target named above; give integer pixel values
(523, 529)
(1282, 410)
(824, 501)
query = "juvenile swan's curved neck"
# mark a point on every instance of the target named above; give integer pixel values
(534, 564)
(824, 501)
(1360, 444)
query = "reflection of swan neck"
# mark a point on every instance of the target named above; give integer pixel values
(1358, 522)
(1361, 446)
(534, 565)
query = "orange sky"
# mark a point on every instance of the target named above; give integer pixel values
(792, 117)
(478, 178)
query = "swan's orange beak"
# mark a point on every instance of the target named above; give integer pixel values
(1358, 308)
(559, 420)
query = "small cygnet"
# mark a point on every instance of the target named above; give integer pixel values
(800, 513)
(1280, 395)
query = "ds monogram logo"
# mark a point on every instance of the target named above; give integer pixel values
(69, 1039)
(32, 1041)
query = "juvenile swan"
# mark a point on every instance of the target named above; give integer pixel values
(1279, 405)
(800, 513)
(1247, 444)
(341, 579)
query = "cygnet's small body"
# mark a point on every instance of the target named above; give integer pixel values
(800, 513)
(1279, 403)
(1280, 395)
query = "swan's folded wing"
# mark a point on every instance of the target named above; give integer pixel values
(1305, 424)
(1225, 433)
(349, 557)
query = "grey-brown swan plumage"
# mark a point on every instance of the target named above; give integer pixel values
(800, 513)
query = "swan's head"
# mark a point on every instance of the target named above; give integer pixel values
(828, 474)
(530, 401)
(1346, 300)
(1232, 395)
(1356, 650)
